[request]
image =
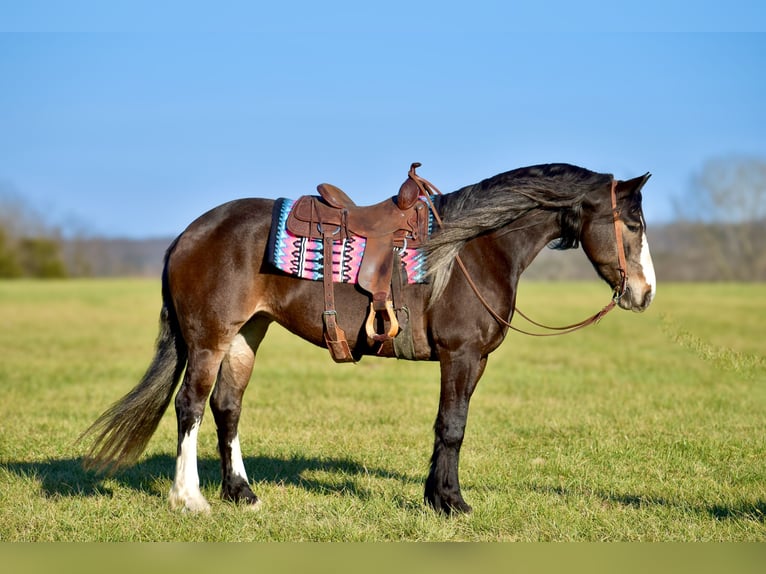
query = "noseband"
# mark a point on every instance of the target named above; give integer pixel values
(622, 265)
(428, 189)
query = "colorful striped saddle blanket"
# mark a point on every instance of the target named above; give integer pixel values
(304, 257)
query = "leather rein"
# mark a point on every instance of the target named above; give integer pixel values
(428, 189)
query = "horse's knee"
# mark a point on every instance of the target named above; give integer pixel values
(450, 432)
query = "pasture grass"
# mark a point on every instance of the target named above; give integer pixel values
(643, 428)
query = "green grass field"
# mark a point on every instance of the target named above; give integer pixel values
(644, 427)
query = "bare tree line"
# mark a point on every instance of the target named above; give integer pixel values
(719, 234)
(28, 247)
(724, 211)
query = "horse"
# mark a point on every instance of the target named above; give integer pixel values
(220, 294)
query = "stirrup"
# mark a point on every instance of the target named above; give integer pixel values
(370, 325)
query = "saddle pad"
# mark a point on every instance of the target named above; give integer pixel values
(303, 257)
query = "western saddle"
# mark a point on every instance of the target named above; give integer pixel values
(388, 227)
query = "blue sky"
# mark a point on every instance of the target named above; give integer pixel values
(134, 130)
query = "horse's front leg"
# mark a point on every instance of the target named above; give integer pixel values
(460, 371)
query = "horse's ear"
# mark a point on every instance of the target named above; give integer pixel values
(634, 185)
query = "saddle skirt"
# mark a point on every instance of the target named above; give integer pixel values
(303, 256)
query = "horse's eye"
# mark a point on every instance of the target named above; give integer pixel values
(633, 227)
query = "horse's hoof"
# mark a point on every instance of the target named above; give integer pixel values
(250, 503)
(241, 495)
(193, 507)
(459, 508)
(192, 504)
(449, 508)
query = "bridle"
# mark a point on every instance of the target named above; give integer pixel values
(428, 189)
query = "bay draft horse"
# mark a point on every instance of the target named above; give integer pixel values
(219, 296)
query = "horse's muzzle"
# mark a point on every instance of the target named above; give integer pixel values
(637, 300)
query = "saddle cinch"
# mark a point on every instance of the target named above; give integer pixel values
(388, 227)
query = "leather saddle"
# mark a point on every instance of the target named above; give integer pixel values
(388, 227)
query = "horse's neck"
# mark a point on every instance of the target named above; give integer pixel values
(511, 250)
(526, 237)
(495, 261)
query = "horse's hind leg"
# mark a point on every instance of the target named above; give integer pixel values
(226, 404)
(201, 371)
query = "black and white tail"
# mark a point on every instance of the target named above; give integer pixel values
(122, 432)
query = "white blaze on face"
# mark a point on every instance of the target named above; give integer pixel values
(648, 267)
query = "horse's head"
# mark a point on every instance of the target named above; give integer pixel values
(602, 234)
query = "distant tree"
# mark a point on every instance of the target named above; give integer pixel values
(725, 209)
(9, 263)
(729, 190)
(29, 247)
(40, 257)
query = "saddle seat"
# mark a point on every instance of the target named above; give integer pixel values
(336, 197)
(393, 224)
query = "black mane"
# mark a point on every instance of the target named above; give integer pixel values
(498, 201)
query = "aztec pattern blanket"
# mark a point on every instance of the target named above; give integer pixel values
(302, 257)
